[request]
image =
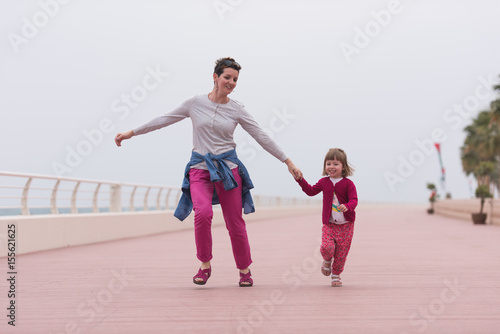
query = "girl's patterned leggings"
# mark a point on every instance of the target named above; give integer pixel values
(335, 244)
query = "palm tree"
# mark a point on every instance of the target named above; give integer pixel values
(480, 145)
(495, 126)
(480, 153)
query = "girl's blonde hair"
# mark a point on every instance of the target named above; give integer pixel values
(339, 155)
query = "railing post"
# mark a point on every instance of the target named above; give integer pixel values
(95, 207)
(115, 198)
(24, 199)
(167, 206)
(158, 207)
(132, 208)
(74, 209)
(146, 208)
(53, 199)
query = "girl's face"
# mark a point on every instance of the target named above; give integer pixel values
(226, 82)
(334, 168)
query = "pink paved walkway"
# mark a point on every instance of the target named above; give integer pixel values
(407, 272)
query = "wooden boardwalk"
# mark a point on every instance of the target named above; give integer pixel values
(408, 272)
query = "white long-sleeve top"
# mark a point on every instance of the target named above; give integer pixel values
(213, 126)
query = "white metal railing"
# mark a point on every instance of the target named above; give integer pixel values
(24, 194)
(77, 191)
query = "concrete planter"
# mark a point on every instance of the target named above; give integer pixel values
(479, 218)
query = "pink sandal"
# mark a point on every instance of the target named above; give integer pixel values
(336, 281)
(204, 274)
(246, 279)
(326, 267)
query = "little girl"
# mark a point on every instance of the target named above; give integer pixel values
(339, 201)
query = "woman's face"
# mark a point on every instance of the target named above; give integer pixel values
(226, 82)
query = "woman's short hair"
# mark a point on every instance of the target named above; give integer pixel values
(222, 63)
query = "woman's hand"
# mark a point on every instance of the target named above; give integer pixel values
(294, 170)
(122, 136)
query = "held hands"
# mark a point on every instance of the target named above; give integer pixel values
(122, 136)
(294, 170)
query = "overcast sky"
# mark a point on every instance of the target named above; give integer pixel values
(381, 79)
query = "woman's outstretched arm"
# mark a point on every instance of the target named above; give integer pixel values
(159, 122)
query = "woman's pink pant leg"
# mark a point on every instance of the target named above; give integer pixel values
(231, 203)
(201, 195)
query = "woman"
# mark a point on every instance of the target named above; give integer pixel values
(215, 174)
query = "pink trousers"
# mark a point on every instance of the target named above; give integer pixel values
(335, 243)
(231, 203)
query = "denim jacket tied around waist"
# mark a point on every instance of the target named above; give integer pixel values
(220, 173)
